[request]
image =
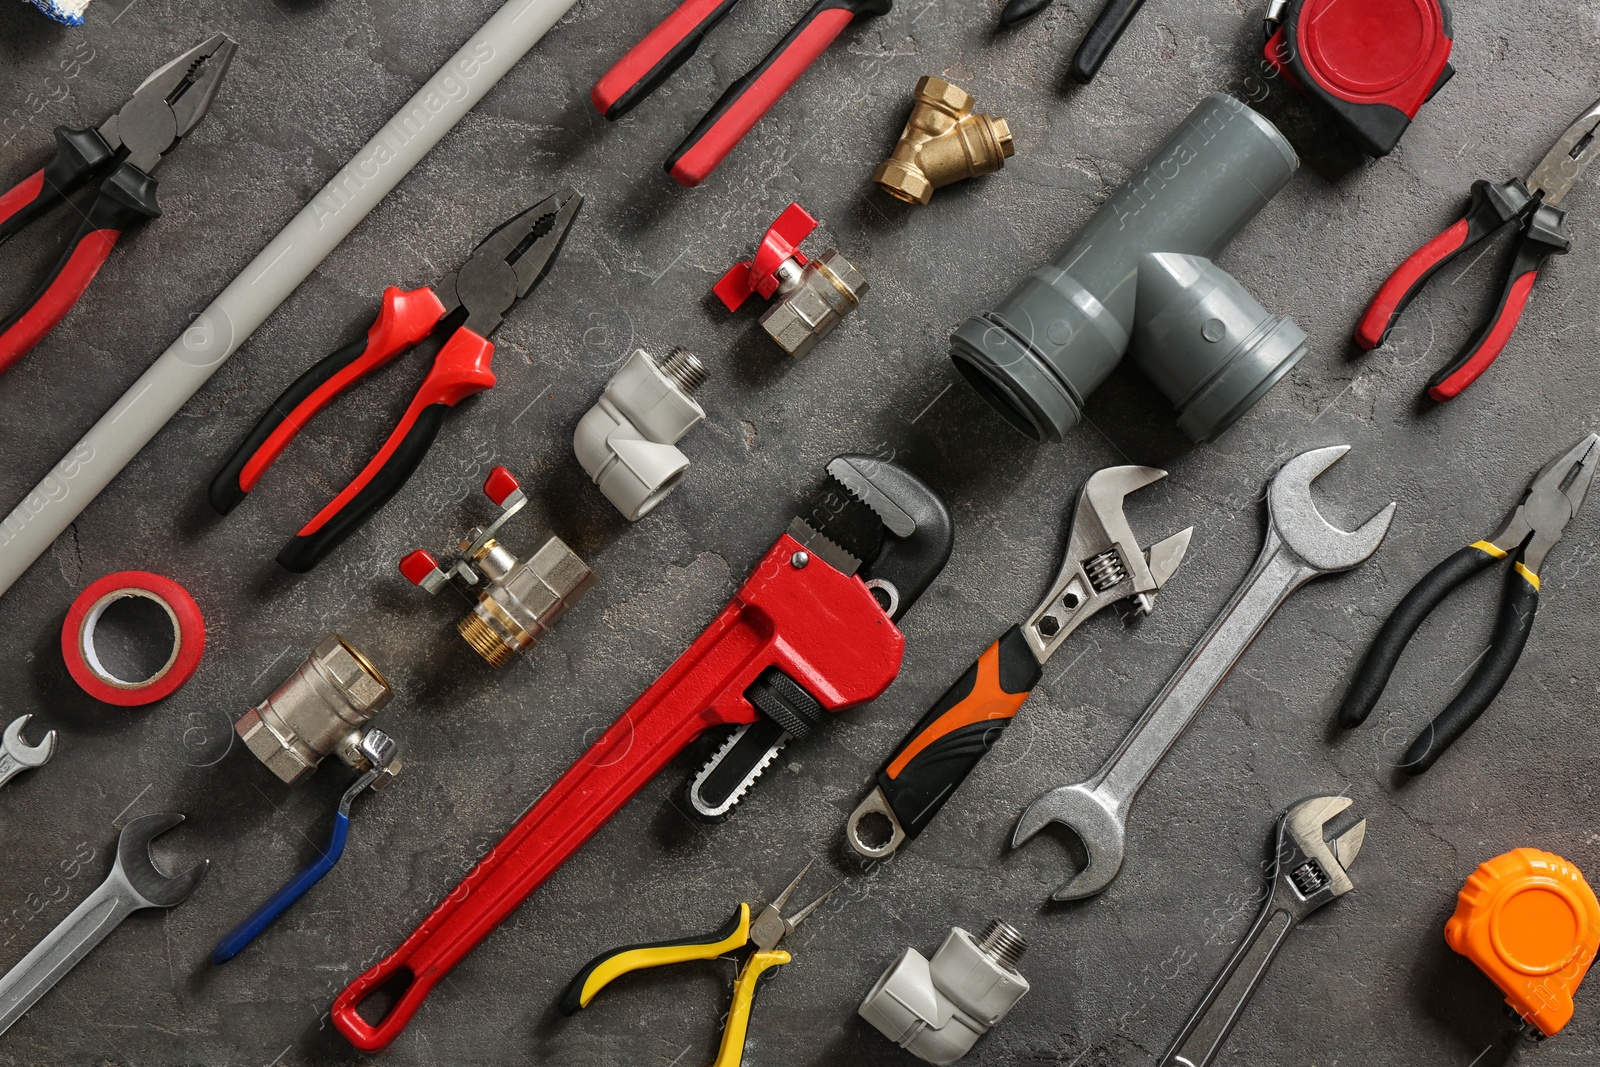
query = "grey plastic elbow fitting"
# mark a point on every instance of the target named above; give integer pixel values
(628, 441)
(1138, 277)
(937, 1009)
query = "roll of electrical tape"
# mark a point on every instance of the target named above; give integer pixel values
(77, 638)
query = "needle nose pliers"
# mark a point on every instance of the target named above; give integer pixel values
(122, 152)
(1531, 532)
(762, 936)
(1534, 202)
(452, 320)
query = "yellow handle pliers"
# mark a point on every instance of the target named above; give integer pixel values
(769, 928)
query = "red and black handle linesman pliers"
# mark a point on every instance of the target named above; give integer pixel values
(122, 152)
(453, 319)
(667, 47)
(1534, 202)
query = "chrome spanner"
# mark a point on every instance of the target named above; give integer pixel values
(1307, 872)
(1300, 545)
(133, 884)
(16, 755)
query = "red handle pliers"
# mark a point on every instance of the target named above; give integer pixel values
(453, 319)
(667, 47)
(121, 152)
(1532, 201)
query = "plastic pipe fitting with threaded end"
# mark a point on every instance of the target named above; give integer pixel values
(1139, 275)
(937, 1009)
(943, 142)
(627, 442)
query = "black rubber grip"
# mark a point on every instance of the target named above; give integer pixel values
(1505, 648)
(305, 551)
(79, 153)
(1019, 11)
(1102, 37)
(227, 489)
(946, 744)
(571, 1001)
(675, 57)
(1401, 626)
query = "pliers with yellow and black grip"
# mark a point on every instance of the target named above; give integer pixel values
(1526, 538)
(761, 936)
(120, 153)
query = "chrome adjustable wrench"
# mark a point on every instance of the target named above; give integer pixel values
(1307, 872)
(1300, 545)
(16, 755)
(1104, 564)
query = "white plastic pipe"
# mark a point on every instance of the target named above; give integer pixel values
(233, 316)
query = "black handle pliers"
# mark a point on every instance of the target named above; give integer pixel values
(1530, 533)
(451, 320)
(121, 153)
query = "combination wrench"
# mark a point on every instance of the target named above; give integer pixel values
(133, 884)
(1300, 545)
(16, 755)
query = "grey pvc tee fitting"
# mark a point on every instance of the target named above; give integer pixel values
(1140, 274)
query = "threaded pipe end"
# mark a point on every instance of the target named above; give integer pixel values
(483, 639)
(685, 368)
(1003, 942)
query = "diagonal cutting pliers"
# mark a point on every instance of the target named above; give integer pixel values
(451, 320)
(1527, 537)
(121, 152)
(761, 937)
(1534, 204)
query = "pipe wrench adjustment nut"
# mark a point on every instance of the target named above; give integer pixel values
(323, 708)
(627, 442)
(943, 142)
(514, 600)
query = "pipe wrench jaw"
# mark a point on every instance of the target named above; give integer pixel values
(1105, 562)
(873, 511)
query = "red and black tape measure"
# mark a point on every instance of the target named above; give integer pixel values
(1372, 63)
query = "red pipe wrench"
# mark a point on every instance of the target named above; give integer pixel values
(811, 630)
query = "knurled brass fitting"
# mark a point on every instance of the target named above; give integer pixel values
(322, 708)
(943, 142)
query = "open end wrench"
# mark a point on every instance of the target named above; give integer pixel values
(1300, 545)
(16, 755)
(133, 884)
(1308, 872)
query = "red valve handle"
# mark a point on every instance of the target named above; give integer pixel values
(814, 623)
(500, 486)
(419, 566)
(780, 243)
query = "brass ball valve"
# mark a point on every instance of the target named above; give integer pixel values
(943, 142)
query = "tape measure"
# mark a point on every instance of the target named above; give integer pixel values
(1371, 63)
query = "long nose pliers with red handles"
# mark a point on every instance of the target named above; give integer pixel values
(1534, 204)
(120, 153)
(664, 49)
(451, 319)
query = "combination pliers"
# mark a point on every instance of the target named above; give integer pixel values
(121, 152)
(452, 321)
(1527, 537)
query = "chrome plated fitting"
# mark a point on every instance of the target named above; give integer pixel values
(320, 709)
(514, 601)
(627, 442)
(943, 142)
(937, 1009)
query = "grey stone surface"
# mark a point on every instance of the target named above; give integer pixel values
(1368, 981)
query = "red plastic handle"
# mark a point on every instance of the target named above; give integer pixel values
(650, 62)
(1405, 281)
(817, 625)
(749, 98)
(21, 195)
(1493, 343)
(57, 298)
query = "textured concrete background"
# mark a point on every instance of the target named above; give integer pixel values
(1367, 981)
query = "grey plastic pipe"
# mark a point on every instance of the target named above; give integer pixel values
(1139, 273)
(233, 316)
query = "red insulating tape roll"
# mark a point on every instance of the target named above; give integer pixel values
(77, 638)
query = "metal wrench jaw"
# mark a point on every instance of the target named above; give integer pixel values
(1310, 871)
(25, 754)
(1323, 547)
(1097, 823)
(139, 871)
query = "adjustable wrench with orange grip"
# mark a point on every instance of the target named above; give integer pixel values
(1104, 565)
(812, 630)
